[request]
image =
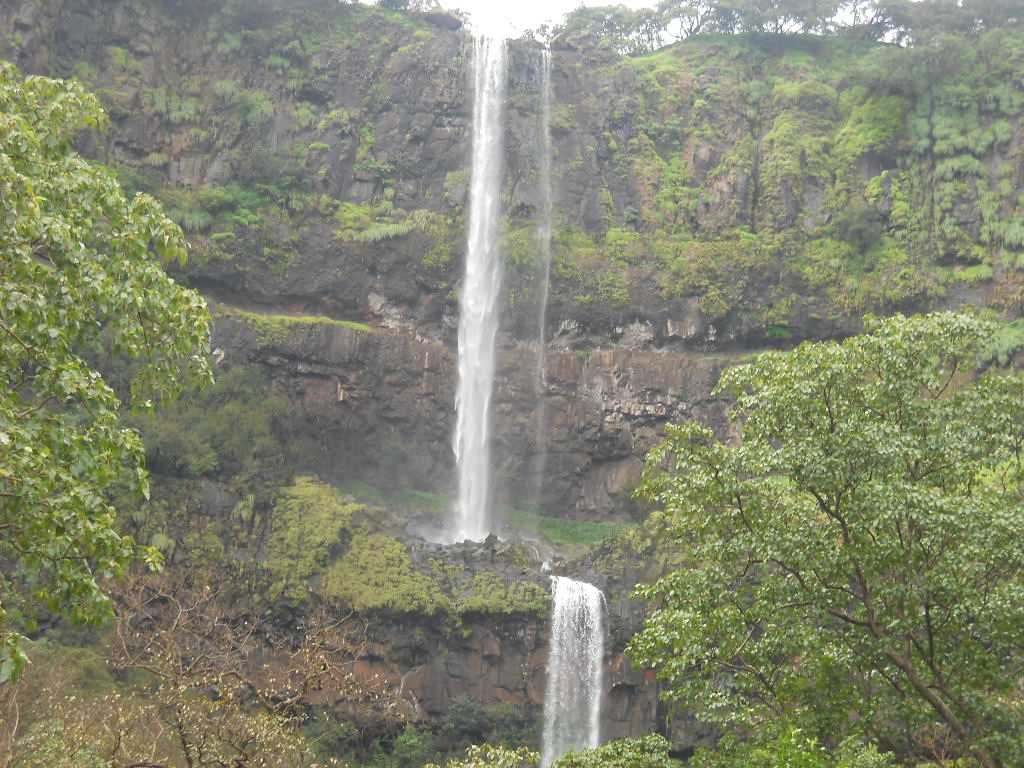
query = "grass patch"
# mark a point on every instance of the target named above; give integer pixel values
(377, 574)
(271, 328)
(571, 534)
(401, 500)
(309, 521)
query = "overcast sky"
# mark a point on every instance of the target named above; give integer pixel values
(513, 16)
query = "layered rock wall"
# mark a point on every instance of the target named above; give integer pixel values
(726, 192)
(380, 405)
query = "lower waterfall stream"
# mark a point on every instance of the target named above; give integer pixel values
(572, 700)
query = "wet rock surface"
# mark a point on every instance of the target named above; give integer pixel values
(380, 407)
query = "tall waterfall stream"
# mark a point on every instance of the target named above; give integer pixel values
(540, 459)
(572, 700)
(479, 300)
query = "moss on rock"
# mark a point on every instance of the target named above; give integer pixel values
(377, 574)
(274, 328)
(493, 594)
(309, 522)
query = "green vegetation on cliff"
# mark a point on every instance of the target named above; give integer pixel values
(275, 328)
(782, 184)
(489, 594)
(307, 525)
(775, 180)
(230, 429)
(322, 544)
(571, 535)
(376, 574)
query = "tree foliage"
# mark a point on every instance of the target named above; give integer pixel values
(196, 682)
(626, 30)
(649, 751)
(79, 268)
(489, 756)
(642, 31)
(785, 745)
(857, 549)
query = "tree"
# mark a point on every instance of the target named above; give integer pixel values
(214, 686)
(856, 550)
(924, 21)
(410, 5)
(775, 16)
(649, 751)
(785, 745)
(685, 18)
(626, 31)
(79, 268)
(488, 756)
(991, 14)
(866, 19)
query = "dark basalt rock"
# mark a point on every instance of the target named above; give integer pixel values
(381, 405)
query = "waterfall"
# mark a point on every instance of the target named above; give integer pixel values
(546, 202)
(572, 700)
(480, 295)
(544, 244)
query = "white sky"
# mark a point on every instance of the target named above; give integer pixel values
(513, 16)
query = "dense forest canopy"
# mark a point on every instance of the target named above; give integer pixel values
(644, 30)
(900, 21)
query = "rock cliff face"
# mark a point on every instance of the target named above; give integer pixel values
(716, 197)
(726, 192)
(380, 407)
(297, 143)
(500, 666)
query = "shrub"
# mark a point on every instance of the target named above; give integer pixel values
(492, 594)
(646, 752)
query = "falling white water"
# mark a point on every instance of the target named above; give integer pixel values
(546, 204)
(572, 701)
(479, 299)
(544, 243)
